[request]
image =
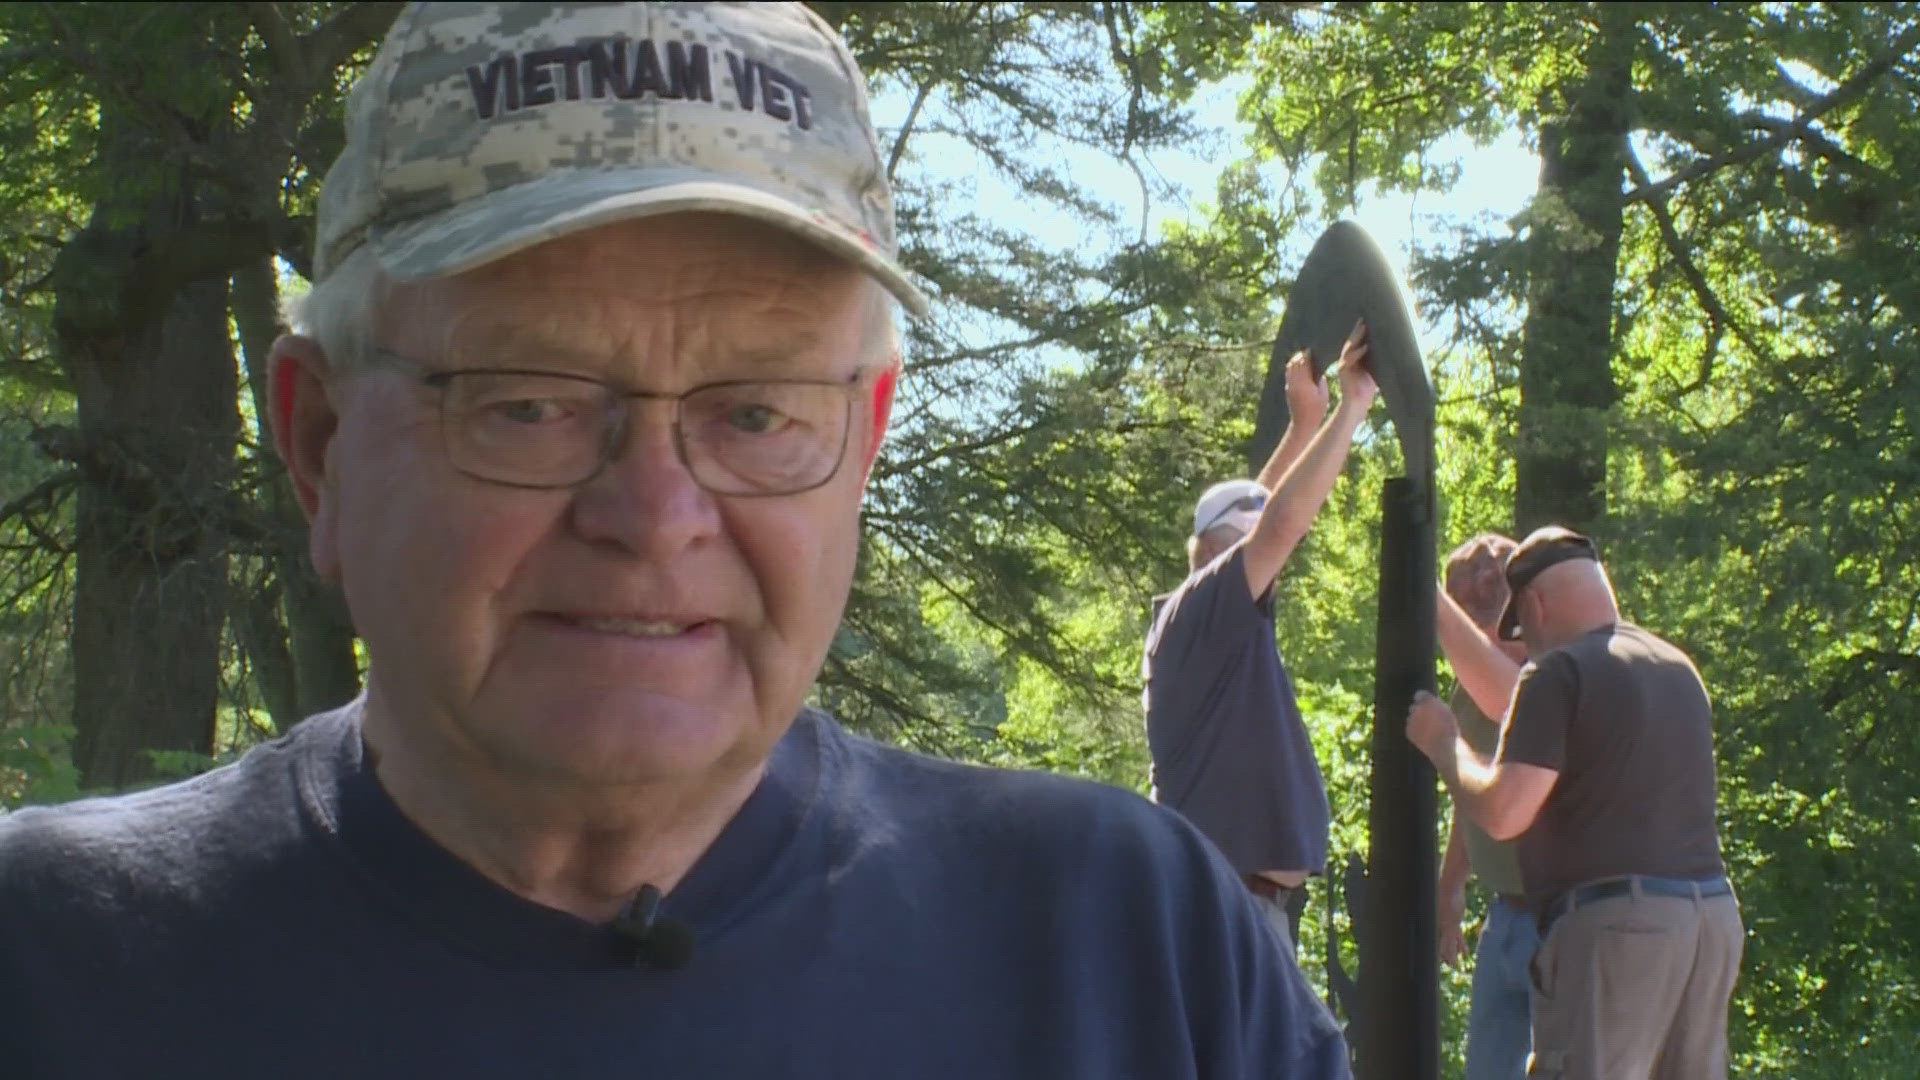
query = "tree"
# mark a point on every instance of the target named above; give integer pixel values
(195, 171)
(1030, 379)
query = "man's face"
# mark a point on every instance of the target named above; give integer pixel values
(1211, 544)
(637, 627)
(1476, 579)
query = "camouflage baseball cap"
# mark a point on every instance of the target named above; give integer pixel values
(480, 130)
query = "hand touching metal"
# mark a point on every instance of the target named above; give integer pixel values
(1431, 726)
(1357, 388)
(1306, 392)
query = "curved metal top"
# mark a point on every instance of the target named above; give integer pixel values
(1346, 278)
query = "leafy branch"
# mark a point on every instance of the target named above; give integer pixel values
(1852, 88)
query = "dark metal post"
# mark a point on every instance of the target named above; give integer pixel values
(1399, 1024)
(1346, 278)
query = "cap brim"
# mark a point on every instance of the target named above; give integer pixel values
(513, 219)
(1538, 561)
(1509, 629)
(1241, 521)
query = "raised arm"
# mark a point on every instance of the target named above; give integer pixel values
(1306, 408)
(1484, 669)
(1303, 488)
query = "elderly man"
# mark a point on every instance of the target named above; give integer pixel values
(1229, 749)
(1605, 773)
(591, 379)
(1500, 1012)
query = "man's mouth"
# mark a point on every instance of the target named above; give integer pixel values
(627, 626)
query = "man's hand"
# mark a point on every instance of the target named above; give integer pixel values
(1306, 393)
(1431, 725)
(1357, 388)
(1451, 916)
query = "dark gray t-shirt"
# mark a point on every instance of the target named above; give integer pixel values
(1229, 749)
(1624, 719)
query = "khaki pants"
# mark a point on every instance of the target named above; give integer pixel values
(1636, 988)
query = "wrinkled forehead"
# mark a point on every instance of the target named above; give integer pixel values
(711, 285)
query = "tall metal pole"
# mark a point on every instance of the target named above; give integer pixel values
(1399, 1024)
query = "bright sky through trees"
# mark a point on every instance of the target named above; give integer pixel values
(1494, 184)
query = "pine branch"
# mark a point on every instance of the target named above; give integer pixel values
(1719, 317)
(332, 43)
(1855, 86)
(42, 492)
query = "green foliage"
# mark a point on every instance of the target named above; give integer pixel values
(149, 147)
(35, 765)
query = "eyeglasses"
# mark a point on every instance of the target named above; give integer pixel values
(538, 429)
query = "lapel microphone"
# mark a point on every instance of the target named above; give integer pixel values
(647, 938)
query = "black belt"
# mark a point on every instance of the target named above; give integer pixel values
(1680, 888)
(1268, 889)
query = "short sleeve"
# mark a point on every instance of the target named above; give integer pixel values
(1542, 713)
(1211, 606)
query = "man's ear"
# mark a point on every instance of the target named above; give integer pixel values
(883, 386)
(1535, 606)
(304, 421)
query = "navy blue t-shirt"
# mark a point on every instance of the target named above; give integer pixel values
(868, 913)
(1229, 749)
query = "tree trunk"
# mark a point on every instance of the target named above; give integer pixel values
(201, 109)
(1566, 362)
(140, 325)
(156, 444)
(307, 663)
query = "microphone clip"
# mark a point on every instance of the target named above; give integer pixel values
(647, 938)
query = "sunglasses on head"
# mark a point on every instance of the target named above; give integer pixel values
(1242, 504)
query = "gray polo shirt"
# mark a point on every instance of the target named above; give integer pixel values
(1229, 749)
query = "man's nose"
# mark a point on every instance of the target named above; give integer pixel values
(645, 499)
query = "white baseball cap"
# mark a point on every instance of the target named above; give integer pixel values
(1230, 502)
(480, 130)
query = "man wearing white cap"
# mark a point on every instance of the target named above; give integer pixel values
(1229, 749)
(598, 357)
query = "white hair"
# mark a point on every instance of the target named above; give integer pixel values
(881, 338)
(342, 309)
